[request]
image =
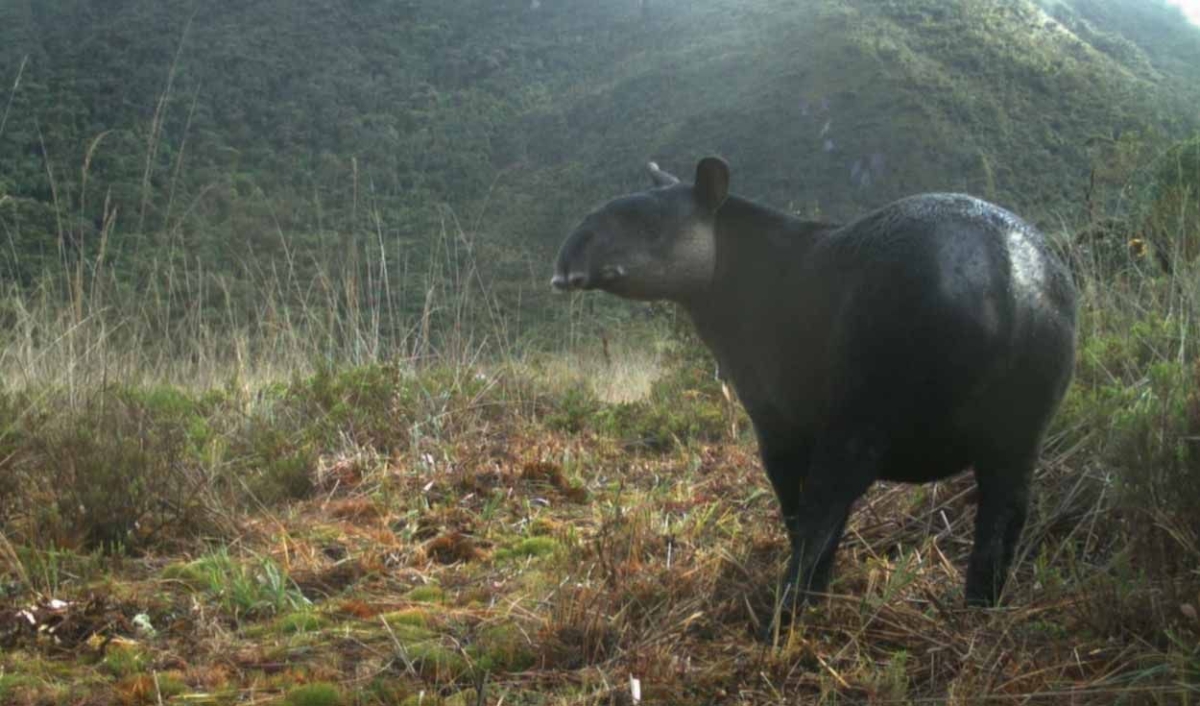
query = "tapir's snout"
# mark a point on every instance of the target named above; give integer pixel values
(571, 272)
(638, 246)
(564, 282)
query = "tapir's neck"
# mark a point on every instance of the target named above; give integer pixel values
(763, 301)
(755, 245)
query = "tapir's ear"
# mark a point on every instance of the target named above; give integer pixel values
(712, 182)
(660, 177)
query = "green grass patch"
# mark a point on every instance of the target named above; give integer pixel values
(124, 661)
(319, 694)
(406, 634)
(438, 662)
(412, 617)
(502, 648)
(11, 685)
(243, 588)
(426, 594)
(300, 622)
(535, 547)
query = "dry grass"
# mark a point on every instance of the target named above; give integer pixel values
(424, 577)
(614, 373)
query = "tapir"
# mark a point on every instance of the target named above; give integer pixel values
(928, 337)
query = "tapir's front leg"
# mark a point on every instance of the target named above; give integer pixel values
(842, 468)
(786, 463)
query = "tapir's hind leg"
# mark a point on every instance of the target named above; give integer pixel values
(1003, 504)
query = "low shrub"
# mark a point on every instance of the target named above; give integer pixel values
(123, 468)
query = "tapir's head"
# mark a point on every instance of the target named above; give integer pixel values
(655, 244)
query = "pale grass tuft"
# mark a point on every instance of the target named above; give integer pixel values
(625, 375)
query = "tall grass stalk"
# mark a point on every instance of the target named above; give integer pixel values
(12, 94)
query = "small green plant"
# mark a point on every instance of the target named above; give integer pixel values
(280, 468)
(369, 404)
(46, 569)
(466, 697)
(124, 661)
(172, 685)
(892, 683)
(244, 589)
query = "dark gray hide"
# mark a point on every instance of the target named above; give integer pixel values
(932, 335)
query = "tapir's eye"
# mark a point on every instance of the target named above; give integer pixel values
(642, 218)
(652, 227)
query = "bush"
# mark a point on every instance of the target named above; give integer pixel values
(1135, 408)
(371, 405)
(122, 468)
(276, 465)
(574, 410)
(1154, 446)
(1172, 221)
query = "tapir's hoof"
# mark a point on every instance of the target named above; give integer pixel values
(789, 606)
(776, 631)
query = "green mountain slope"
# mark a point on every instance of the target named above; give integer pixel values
(999, 99)
(230, 129)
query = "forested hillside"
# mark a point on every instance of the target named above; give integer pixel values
(238, 132)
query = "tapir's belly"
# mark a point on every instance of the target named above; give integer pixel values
(922, 460)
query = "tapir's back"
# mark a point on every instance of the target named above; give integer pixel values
(946, 255)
